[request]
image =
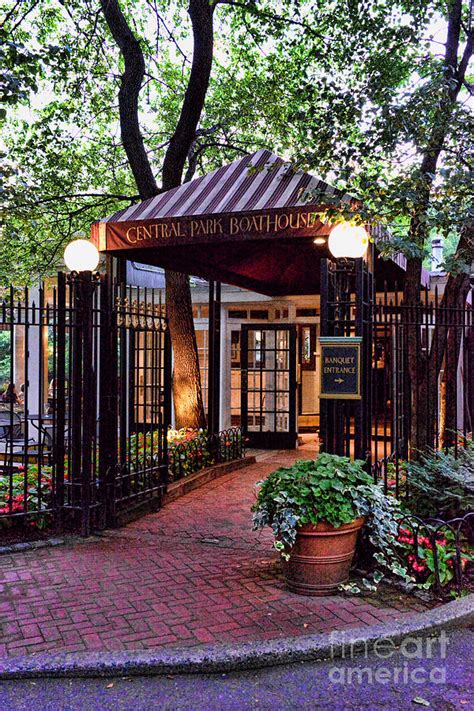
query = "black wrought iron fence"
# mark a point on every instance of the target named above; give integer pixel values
(435, 410)
(204, 450)
(439, 554)
(84, 373)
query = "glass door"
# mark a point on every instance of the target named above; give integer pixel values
(268, 385)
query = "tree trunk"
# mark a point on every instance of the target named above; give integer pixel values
(187, 391)
(422, 368)
(188, 405)
(421, 415)
(189, 411)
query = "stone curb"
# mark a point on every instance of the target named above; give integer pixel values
(26, 546)
(227, 658)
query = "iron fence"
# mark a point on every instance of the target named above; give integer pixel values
(439, 553)
(404, 407)
(434, 410)
(85, 369)
(204, 450)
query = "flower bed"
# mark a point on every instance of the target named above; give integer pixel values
(189, 450)
(439, 559)
(27, 492)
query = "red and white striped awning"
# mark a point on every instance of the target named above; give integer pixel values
(261, 181)
(250, 223)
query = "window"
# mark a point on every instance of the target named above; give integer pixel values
(235, 378)
(236, 313)
(202, 340)
(304, 313)
(307, 339)
(235, 349)
(260, 314)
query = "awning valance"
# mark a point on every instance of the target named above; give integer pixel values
(250, 224)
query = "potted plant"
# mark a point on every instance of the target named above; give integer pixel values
(316, 510)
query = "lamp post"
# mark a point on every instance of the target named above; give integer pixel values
(81, 257)
(348, 314)
(348, 241)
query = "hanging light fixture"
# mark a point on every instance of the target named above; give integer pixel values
(81, 256)
(347, 241)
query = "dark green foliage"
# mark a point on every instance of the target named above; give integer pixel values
(441, 484)
(336, 490)
(309, 492)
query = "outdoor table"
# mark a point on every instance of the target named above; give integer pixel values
(46, 427)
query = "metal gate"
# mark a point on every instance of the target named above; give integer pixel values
(136, 397)
(268, 385)
(83, 432)
(347, 298)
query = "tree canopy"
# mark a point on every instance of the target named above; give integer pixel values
(348, 90)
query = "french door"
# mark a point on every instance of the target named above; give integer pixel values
(268, 385)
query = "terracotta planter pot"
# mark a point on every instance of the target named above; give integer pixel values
(321, 558)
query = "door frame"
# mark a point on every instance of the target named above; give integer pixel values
(271, 439)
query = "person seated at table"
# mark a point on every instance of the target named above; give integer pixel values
(21, 395)
(10, 395)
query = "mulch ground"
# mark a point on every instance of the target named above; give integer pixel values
(190, 574)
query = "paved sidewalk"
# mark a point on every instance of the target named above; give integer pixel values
(190, 574)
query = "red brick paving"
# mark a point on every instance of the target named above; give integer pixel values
(190, 574)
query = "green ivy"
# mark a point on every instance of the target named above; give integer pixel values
(336, 490)
(309, 492)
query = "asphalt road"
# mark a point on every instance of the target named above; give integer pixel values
(396, 679)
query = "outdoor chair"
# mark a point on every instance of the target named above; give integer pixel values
(15, 448)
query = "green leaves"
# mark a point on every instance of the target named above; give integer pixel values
(442, 482)
(308, 492)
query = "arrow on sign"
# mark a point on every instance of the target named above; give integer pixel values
(338, 380)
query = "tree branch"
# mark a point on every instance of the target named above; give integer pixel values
(466, 57)
(201, 14)
(25, 14)
(254, 10)
(130, 86)
(70, 196)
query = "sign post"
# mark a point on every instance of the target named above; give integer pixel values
(340, 367)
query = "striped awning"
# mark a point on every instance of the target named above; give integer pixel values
(250, 223)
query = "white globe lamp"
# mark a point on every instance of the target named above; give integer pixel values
(348, 241)
(81, 256)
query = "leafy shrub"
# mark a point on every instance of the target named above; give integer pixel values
(38, 498)
(309, 492)
(441, 484)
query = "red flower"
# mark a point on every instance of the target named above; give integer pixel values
(425, 541)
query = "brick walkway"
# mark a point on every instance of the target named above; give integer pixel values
(190, 574)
